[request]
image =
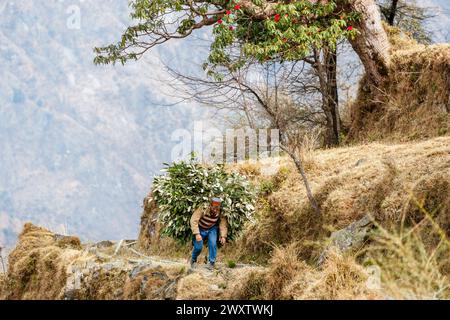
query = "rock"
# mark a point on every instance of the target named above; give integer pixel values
(359, 162)
(214, 287)
(118, 293)
(352, 236)
(104, 244)
(73, 283)
(113, 265)
(160, 275)
(138, 269)
(170, 290)
(67, 241)
(349, 238)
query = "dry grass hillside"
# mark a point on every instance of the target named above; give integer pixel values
(404, 187)
(414, 101)
(398, 184)
(387, 181)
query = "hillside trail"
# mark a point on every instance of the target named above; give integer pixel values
(180, 281)
(126, 251)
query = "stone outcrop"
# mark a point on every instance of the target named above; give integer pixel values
(350, 238)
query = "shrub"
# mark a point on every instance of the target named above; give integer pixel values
(188, 185)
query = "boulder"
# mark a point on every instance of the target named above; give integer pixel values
(150, 227)
(350, 238)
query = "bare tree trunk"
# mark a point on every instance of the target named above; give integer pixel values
(325, 66)
(333, 98)
(392, 12)
(299, 165)
(371, 44)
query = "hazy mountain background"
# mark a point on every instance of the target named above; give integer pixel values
(79, 143)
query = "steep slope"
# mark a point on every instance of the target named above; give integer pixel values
(387, 181)
(391, 182)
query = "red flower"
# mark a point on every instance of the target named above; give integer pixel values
(219, 21)
(284, 40)
(228, 12)
(277, 17)
(349, 28)
(237, 7)
(231, 28)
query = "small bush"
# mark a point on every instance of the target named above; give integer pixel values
(189, 185)
(266, 187)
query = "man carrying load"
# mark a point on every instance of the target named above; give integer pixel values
(208, 223)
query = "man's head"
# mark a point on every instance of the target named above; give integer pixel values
(215, 205)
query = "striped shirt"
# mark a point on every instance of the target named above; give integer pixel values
(203, 218)
(208, 221)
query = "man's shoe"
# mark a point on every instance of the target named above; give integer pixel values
(211, 266)
(193, 264)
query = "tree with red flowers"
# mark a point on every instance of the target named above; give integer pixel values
(261, 26)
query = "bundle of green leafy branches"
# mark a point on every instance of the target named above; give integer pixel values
(187, 185)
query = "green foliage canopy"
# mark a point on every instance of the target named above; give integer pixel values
(264, 30)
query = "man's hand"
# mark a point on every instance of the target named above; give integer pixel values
(223, 240)
(198, 237)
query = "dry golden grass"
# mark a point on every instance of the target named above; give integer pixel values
(37, 266)
(400, 265)
(306, 143)
(411, 268)
(288, 277)
(250, 169)
(102, 285)
(3, 282)
(198, 286)
(340, 279)
(398, 184)
(348, 183)
(414, 101)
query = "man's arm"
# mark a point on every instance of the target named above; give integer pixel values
(195, 218)
(223, 227)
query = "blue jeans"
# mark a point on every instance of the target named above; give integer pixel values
(211, 234)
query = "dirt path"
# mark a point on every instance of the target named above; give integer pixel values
(132, 274)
